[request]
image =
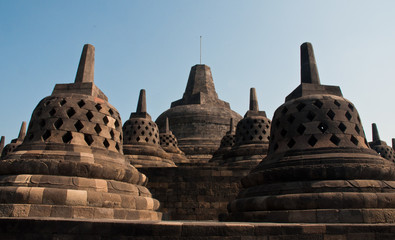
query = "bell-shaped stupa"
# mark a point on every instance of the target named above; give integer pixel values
(380, 146)
(251, 139)
(14, 142)
(141, 139)
(227, 142)
(200, 119)
(319, 167)
(169, 143)
(71, 163)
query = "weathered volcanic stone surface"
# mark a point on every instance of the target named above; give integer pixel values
(251, 138)
(200, 119)
(381, 147)
(141, 139)
(319, 167)
(14, 142)
(71, 163)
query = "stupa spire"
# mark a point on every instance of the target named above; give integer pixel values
(375, 133)
(2, 142)
(231, 127)
(253, 100)
(167, 129)
(308, 65)
(22, 131)
(393, 143)
(142, 104)
(86, 67)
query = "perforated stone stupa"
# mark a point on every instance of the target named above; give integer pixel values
(380, 146)
(227, 142)
(169, 143)
(14, 142)
(319, 167)
(252, 137)
(141, 139)
(71, 163)
(200, 119)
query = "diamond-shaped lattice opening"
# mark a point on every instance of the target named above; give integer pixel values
(291, 118)
(301, 129)
(330, 114)
(342, 127)
(357, 129)
(277, 123)
(142, 132)
(78, 125)
(336, 103)
(350, 106)
(46, 135)
(98, 106)
(142, 122)
(52, 112)
(275, 147)
(335, 140)
(112, 134)
(255, 121)
(251, 138)
(260, 137)
(67, 137)
(70, 112)
(348, 116)
(312, 141)
(89, 115)
(106, 143)
(146, 127)
(146, 139)
(310, 116)
(88, 139)
(98, 128)
(285, 110)
(117, 147)
(318, 103)
(105, 120)
(300, 106)
(154, 141)
(138, 139)
(81, 103)
(259, 126)
(291, 143)
(58, 123)
(322, 127)
(283, 132)
(150, 133)
(63, 102)
(264, 132)
(41, 123)
(138, 127)
(110, 111)
(354, 140)
(47, 103)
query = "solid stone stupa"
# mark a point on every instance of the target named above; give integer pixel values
(319, 167)
(141, 139)
(200, 119)
(14, 142)
(71, 163)
(380, 146)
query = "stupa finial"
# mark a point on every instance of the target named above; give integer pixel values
(253, 100)
(142, 104)
(309, 71)
(2, 142)
(393, 143)
(231, 126)
(375, 133)
(167, 125)
(22, 131)
(86, 67)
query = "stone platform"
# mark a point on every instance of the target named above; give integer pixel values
(30, 228)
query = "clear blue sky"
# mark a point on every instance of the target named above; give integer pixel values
(153, 44)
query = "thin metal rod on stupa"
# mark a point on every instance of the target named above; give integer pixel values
(22, 131)
(142, 104)
(308, 65)
(253, 100)
(200, 49)
(86, 67)
(167, 128)
(375, 133)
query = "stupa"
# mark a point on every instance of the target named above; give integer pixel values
(319, 167)
(15, 142)
(141, 139)
(227, 142)
(71, 163)
(169, 143)
(200, 119)
(251, 139)
(380, 146)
